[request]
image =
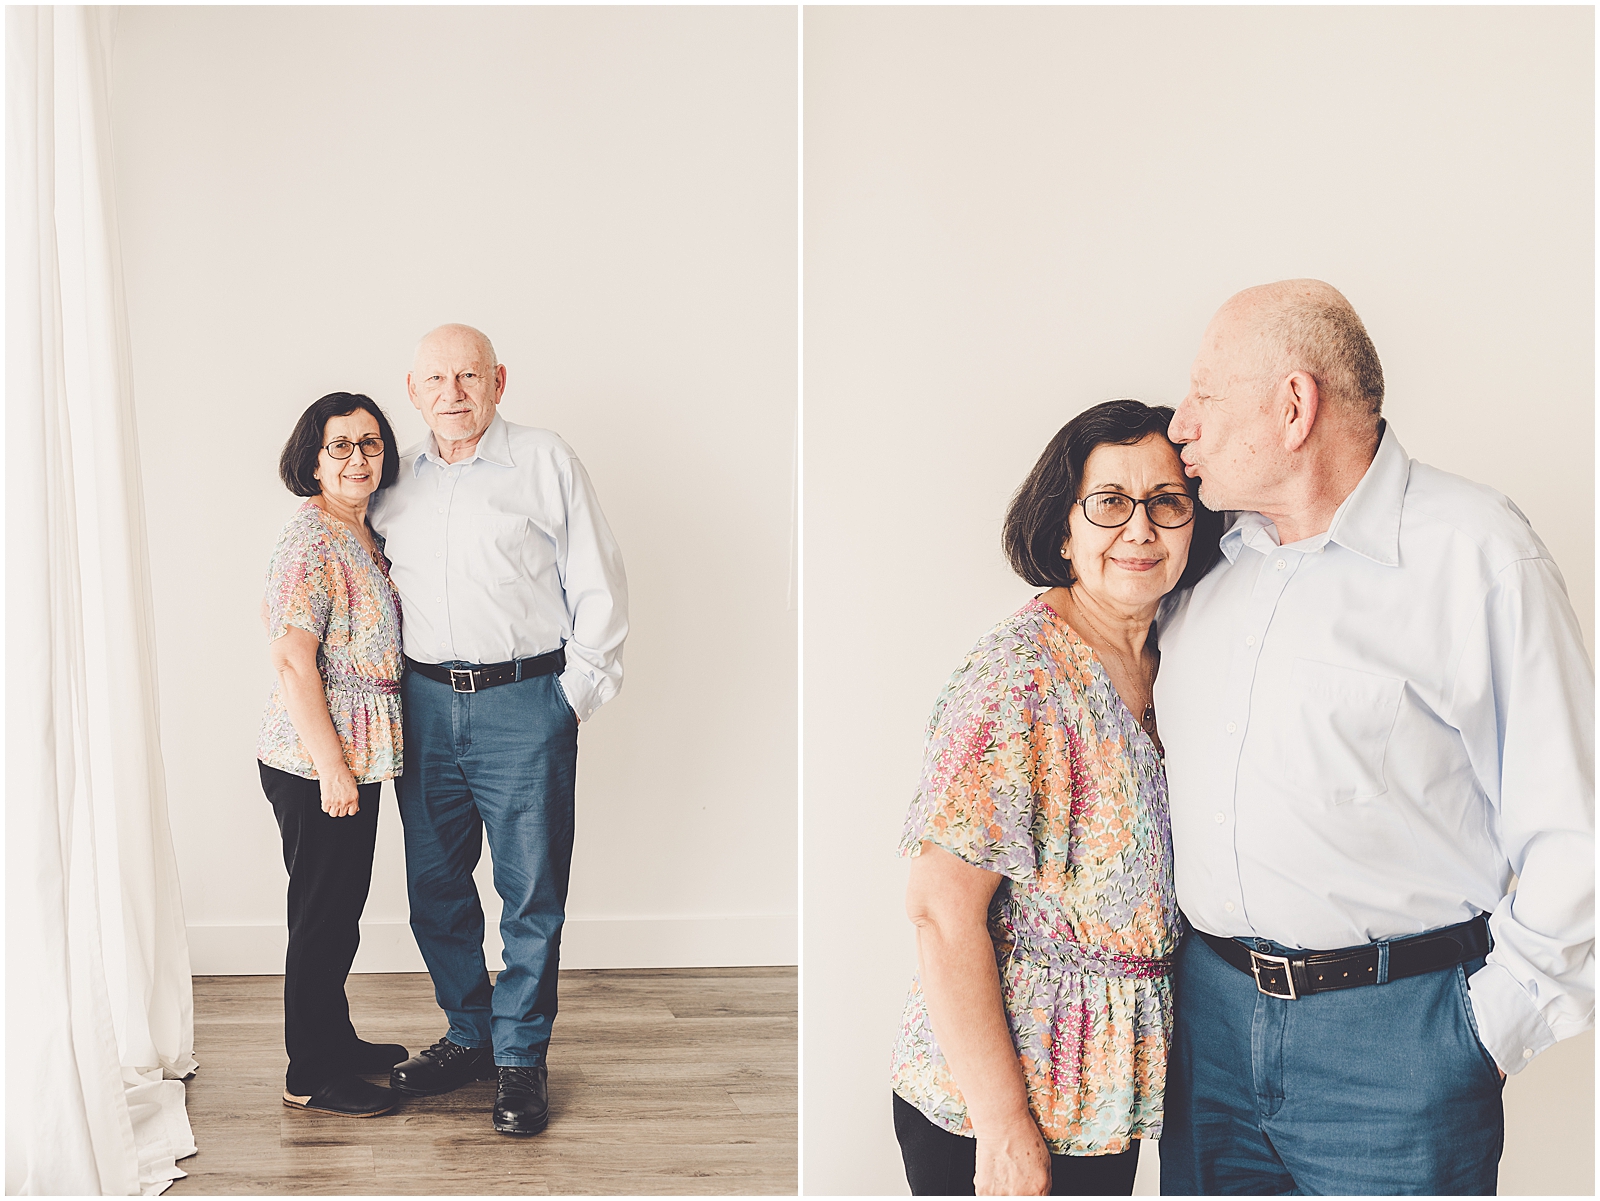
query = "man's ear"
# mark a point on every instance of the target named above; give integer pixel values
(1299, 401)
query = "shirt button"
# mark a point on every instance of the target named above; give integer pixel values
(1527, 1052)
(1228, 906)
(1232, 727)
(1219, 819)
(1280, 565)
(1250, 641)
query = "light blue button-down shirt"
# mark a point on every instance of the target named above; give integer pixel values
(1369, 733)
(506, 555)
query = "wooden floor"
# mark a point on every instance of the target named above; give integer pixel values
(679, 1080)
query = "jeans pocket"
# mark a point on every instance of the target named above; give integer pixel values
(562, 694)
(1465, 998)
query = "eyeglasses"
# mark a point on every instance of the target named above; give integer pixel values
(1108, 510)
(343, 448)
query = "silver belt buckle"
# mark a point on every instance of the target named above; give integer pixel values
(457, 674)
(1257, 959)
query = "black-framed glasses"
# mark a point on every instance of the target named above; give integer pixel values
(1108, 510)
(343, 448)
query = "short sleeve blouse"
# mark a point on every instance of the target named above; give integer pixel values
(1034, 769)
(322, 580)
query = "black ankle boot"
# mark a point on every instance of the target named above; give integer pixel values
(522, 1102)
(442, 1067)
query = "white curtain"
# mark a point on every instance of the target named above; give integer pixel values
(99, 1010)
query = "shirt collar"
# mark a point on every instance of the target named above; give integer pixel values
(1368, 522)
(1240, 524)
(494, 447)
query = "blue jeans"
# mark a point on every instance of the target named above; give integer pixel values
(1384, 1089)
(501, 761)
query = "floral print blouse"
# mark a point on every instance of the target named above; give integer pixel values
(323, 581)
(1034, 768)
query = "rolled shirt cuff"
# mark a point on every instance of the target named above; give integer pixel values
(1509, 1025)
(579, 692)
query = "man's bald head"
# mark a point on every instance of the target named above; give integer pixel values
(1307, 325)
(454, 333)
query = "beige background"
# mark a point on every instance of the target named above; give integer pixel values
(610, 193)
(1012, 214)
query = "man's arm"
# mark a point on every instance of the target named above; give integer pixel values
(596, 594)
(1525, 707)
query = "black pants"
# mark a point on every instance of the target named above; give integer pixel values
(941, 1164)
(330, 868)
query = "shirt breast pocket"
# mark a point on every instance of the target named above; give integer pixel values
(1334, 730)
(493, 548)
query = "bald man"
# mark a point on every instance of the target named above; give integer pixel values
(513, 614)
(1378, 712)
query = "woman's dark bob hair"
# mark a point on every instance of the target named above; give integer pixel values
(298, 463)
(1036, 521)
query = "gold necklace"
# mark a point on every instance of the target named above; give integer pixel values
(1147, 719)
(355, 531)
(1107, 649)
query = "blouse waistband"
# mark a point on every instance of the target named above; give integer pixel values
(1065, 955)
(349, 681)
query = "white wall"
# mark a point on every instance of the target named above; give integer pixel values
(610, 193)
(1012, 214)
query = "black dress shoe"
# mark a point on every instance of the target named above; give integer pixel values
(367, 1057)
(442, 1067)
(522, 1102)
(347, 1096)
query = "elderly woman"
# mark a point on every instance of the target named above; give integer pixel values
(1032, 1050)
(330, 735)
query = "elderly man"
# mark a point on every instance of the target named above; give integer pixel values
(1378, 715)
(514, 608)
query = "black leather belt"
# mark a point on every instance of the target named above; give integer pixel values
(1293, 976)
(487, 675)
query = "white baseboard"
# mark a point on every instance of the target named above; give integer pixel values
(585, 943)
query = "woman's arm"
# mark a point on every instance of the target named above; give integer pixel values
(294, 658)
(948, 902)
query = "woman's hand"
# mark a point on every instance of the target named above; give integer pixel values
(340, 797)
(1014, 1163)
